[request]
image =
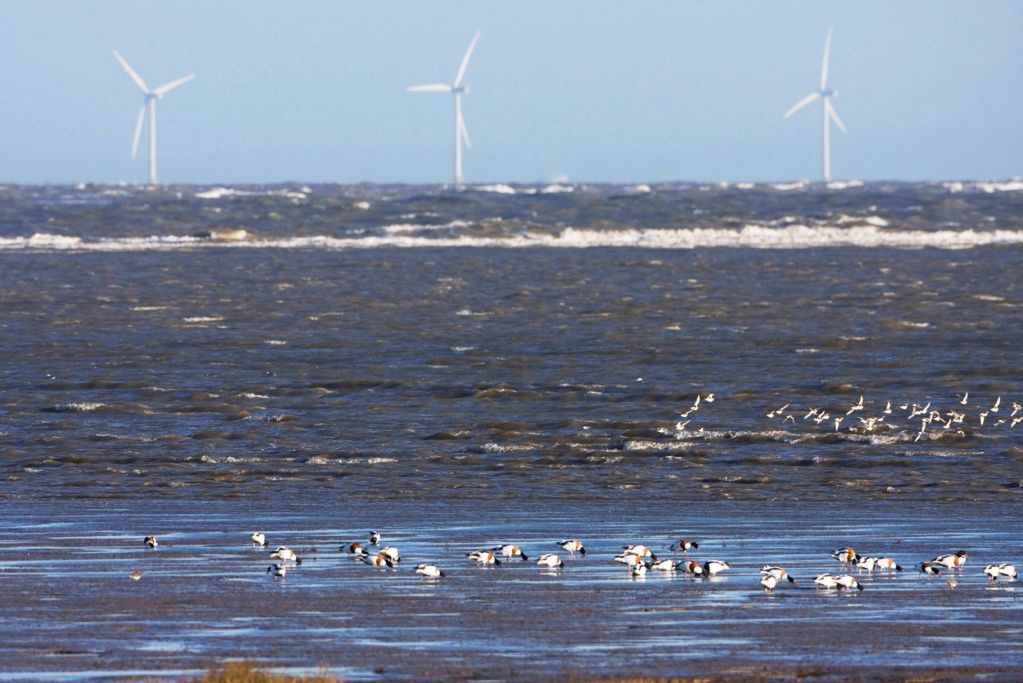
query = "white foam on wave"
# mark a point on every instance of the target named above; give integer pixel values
(876, 221)
(78, 407)
(1014, 185)
(647, 445)
(403, 228)
(844, 184)
(221, 192)
(750, 236)
(375, 460)
(788, 187)
(498, 188)
(491, 447)
(43, 240)
(989, 187)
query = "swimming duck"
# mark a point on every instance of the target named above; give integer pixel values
(929, 568)
(573, 546)
(430, 570)
(952, 560)
(354, 549)
(286, 555)
(392, 553)
(483, 557)
(845, 555)
(258, 538)
(1007, 570)
(848, 581)
(714, 567)
(638, 571)
(666, 565)
(826, 581)
(641, 550)
(768, 581)
(630, 559)
(374, 538)
(279, 569)
(510, 550)
(888, 563)
(867, 563)
(694, 568)
(684, 546)
(377, 560)
(550, 560)
(777, 572)
(150, 541)
(996, 570)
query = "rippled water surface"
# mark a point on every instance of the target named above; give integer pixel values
(504, 363)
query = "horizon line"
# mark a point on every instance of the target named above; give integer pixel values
(510, 183)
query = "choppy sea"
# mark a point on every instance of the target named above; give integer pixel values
(628, 362)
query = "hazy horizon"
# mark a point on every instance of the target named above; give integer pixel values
(579, 92)
(838, 184)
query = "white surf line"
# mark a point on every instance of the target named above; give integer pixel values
(750, 237)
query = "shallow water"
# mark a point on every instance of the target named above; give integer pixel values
(329, 375)
(205, 596)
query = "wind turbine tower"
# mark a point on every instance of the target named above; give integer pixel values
(149, 102)
(457, 89)
(828, 110)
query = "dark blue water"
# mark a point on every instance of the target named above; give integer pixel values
(394, 354)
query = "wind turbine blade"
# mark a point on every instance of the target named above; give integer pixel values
(462, 130)
(138, 131)
(465, 60)
(167, 87)
(824, 62)
(131, 72)
(834, 116)
(802, 103)
(432, 87)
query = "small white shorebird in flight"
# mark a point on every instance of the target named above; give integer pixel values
(457, 89)
(151, 96)
(825, 95)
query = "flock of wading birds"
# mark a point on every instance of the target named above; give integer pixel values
(638, 558)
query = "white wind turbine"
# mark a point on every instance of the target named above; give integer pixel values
(829, 112)
(457, 89)
(151, 96)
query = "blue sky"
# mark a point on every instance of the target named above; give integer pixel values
(314, 91)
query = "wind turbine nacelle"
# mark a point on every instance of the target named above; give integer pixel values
(462, 89)
(829, 93)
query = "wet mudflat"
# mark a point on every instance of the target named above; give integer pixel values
(71, 610)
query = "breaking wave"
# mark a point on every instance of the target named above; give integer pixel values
(751, 237)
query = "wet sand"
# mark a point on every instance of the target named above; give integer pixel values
(71, 611)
